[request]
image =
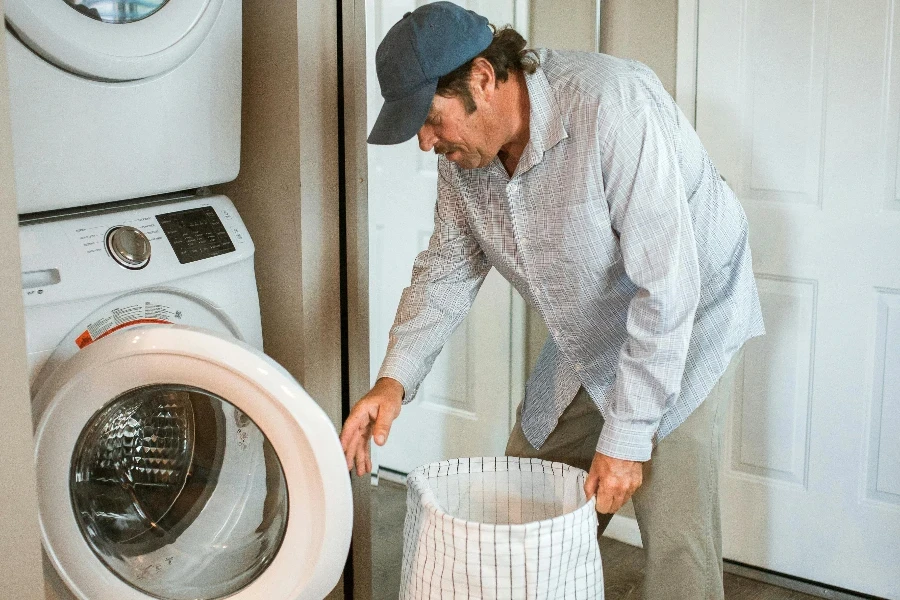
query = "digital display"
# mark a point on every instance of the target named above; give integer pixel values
(195, 234)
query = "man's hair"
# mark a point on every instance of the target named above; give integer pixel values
(506, 53)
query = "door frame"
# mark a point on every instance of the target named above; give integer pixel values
(687, 37)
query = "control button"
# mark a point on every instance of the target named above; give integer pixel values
(128, 246)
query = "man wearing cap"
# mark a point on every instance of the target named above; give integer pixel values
(577, 177)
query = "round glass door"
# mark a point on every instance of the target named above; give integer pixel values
(178, 493)
(117, 11)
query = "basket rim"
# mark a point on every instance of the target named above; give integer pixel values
(417, 480)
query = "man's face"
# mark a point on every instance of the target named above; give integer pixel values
(463, 138)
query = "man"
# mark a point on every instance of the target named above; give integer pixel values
(576, 176)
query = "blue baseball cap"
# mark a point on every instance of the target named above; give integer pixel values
(422, 47)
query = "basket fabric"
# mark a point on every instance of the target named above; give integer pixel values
(500, 528)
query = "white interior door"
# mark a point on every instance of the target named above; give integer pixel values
(799, 105)
(463, 407)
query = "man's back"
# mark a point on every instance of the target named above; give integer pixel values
(612, 88)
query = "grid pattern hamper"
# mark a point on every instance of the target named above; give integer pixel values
(500, 528)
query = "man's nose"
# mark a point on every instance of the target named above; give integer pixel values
(427, 139)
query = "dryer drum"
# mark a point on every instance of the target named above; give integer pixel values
(148, 470)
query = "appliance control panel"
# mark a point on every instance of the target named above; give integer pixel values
(195, 233)
(144, 245)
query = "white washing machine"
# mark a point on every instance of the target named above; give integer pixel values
(175, 460)
(118, 99)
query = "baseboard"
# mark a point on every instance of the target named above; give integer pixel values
(624, 529)
(388, 475)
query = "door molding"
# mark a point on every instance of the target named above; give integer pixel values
(686, 58)
(518, 309)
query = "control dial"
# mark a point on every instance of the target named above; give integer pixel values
(128, 246)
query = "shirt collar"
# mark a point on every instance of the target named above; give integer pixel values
(547, 127)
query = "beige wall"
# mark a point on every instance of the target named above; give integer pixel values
(287, 190)
(288, 195)
(644, 30)
(355, 162)
(267, 191)
(21, 575)
(564, 24)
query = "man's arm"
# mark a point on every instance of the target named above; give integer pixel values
(651, 216)
(650, 213)
(445, 280)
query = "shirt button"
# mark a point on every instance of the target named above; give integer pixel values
(578, 367)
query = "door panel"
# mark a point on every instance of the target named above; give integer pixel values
(798, 103)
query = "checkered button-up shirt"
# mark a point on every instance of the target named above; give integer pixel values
(618, 229)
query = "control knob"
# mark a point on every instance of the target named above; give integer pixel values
(128, 246)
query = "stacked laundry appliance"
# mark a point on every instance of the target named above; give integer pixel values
(174, 459)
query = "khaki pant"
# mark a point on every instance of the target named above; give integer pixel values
(677, 506)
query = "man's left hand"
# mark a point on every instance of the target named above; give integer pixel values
(613, 481)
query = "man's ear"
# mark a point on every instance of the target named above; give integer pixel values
(482, 79)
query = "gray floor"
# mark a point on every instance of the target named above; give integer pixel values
(622, 564)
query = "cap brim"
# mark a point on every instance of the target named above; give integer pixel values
(400, 119)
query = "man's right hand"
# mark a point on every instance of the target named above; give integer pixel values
(372, 415)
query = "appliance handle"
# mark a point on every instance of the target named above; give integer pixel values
(40, 279)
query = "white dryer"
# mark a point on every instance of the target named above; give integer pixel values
(174, 459)
(119, 99)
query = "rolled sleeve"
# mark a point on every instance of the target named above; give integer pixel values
(651, 216)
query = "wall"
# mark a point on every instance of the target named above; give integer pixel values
(288, 195)
(644, 30)
(353, 15)
(564, 24)
(21, 575)
(267, 190)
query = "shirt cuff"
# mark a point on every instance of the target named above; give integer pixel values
(405, 372)
(625, 441)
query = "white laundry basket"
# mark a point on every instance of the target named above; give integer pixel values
(500, 528)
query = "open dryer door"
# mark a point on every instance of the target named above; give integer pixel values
(177, 464)
(113, 40)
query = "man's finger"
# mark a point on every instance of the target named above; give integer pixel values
(349, 432)
(604, 503)
(590, 486)
(362, 460)
(357, 427)
(383, 425)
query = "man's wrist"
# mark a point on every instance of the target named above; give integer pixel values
(390, 386)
